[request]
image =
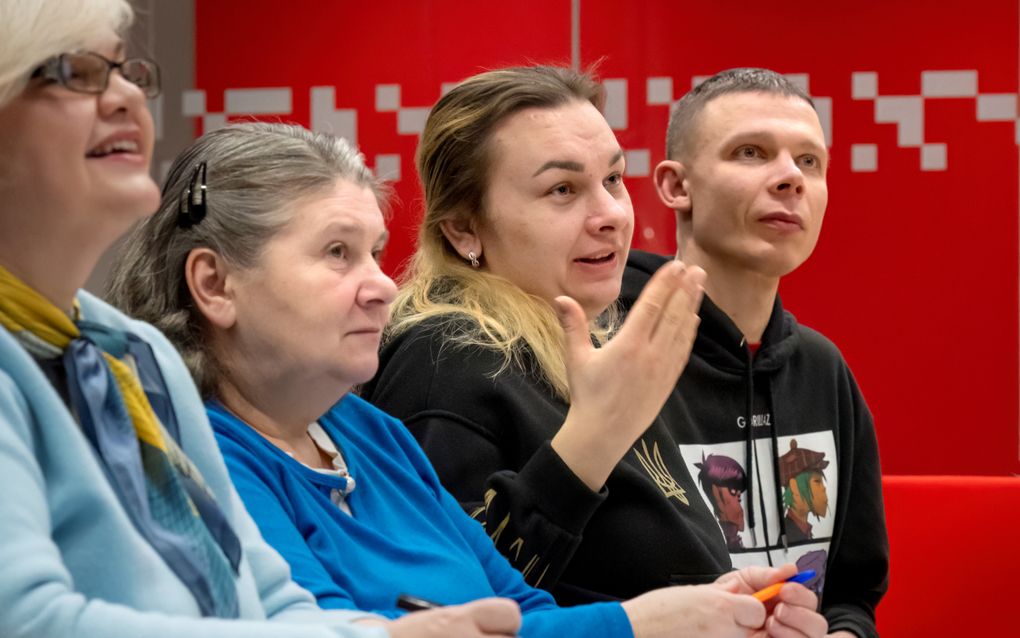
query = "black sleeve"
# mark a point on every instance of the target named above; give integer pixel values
(486, 429)
(858, 574)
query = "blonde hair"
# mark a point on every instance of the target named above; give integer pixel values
(473, 306)
(31, 31)
(255, 172)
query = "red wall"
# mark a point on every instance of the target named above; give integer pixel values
(916, 274)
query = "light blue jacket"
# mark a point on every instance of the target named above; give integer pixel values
(71, 562)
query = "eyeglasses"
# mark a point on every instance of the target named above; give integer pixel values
(192, 207)
(88, 72)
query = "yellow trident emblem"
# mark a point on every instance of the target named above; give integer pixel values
(656, 468)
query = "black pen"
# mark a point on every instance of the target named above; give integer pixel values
(408, 602)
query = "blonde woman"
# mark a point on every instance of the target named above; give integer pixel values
(553, 445)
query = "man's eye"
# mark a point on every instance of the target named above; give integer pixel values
(338, 250)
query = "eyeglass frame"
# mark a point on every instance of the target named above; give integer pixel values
(190, 211)
(52, 69)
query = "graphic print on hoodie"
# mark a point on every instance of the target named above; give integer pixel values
(808, 487)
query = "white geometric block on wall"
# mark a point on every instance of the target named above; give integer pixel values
(387, 97)
(660, 90)
(446, 87)
(863, 158)
(257, 101)
(905, 111)
(616, 103)
(933, 157)
(698, 79)
(799, 80)
(213, 121)
(411, 121)
(994, 107)
(823, 107)
(864, 85)
(326, 118)
(387, 167)
(949, 83)
(639, 162)
(193, 103)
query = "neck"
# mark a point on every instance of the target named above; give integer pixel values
(745, 296)
(277, 402)
(56, 273)
(288, 434)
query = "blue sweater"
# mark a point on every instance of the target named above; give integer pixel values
(72, 562)
(407, 534)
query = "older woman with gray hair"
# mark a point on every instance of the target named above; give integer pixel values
(118, 518)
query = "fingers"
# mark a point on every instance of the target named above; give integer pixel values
(496, 616)
(486, 618)
(751, 579)
(575, 328)
(798, 596)
(644, 316)
(679, 318)
(793, 621)
(760, 577)
(747, 611)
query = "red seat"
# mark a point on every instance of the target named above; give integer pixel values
(955, 556)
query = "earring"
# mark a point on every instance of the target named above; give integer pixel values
(473, 258)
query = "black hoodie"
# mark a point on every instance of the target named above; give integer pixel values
(811, 434)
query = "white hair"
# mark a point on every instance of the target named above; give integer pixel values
(32, 31)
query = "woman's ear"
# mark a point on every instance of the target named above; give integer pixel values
(209, 281)
(460, 231)
(671, 184)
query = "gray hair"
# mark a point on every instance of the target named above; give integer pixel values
(254, 173)
(31, 31)
(689, 107)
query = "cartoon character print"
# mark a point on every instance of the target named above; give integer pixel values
(801, 471)
(723, 480)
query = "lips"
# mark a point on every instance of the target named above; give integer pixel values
(782, 220)
(597, 259)
(124, 143)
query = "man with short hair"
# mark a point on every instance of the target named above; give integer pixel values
(746, 175)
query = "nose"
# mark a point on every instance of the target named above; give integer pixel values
(788, 178)
(121, 95)
(610, 211)
(377, 288)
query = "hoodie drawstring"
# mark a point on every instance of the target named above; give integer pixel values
(749, 443)
(775, 476)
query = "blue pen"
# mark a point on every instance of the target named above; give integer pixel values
(772, 590)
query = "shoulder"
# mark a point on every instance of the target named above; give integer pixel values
(375, 434)
(817, 346)
(170, 362)
(430, 357)
(640, 267)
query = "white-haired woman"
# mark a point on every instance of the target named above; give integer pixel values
(118, 518)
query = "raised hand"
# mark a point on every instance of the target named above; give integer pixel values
(617, 391)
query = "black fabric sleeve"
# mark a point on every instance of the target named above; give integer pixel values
(858, 574)
(486, 430)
